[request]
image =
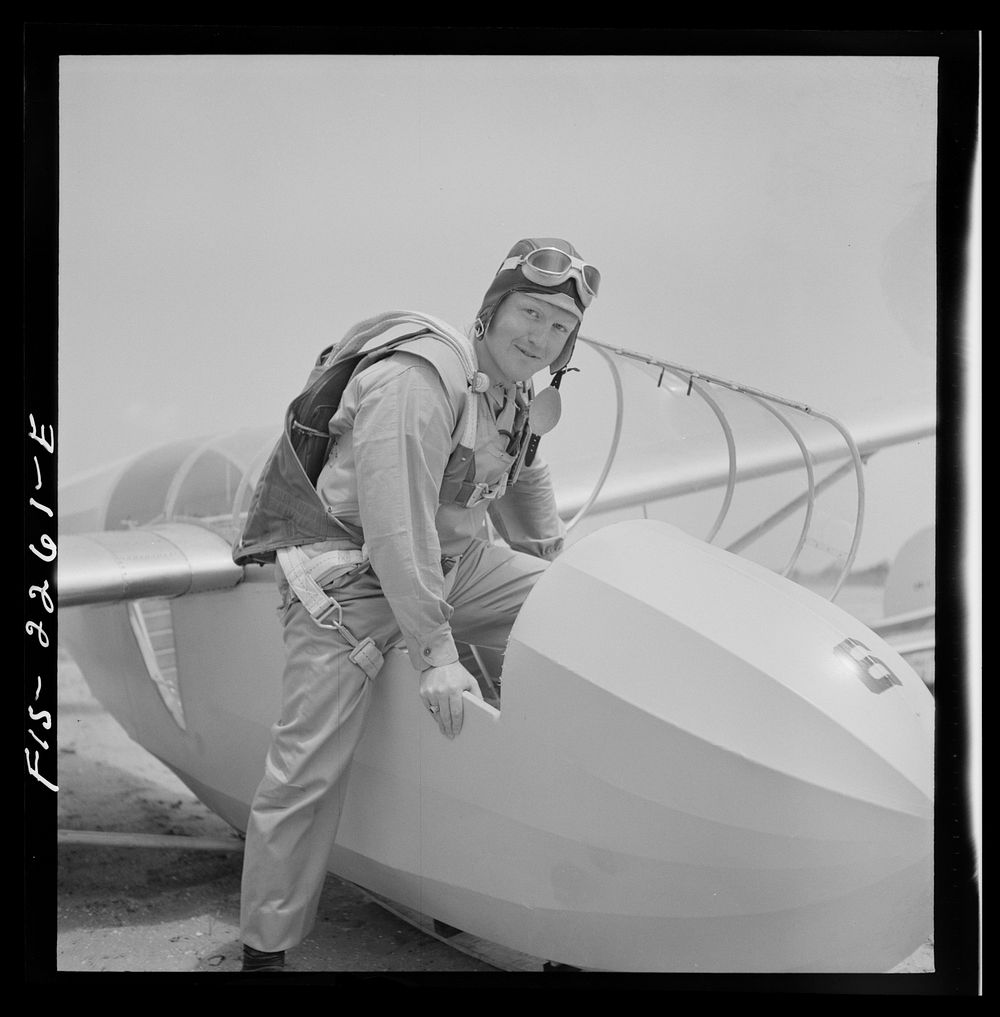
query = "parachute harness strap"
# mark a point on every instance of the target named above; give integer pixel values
(304, 575)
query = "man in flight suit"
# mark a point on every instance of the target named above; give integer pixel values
(410, 559)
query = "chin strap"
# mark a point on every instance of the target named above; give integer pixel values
(536, 438)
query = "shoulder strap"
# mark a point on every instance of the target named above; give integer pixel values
(362, 334)
(309, 414)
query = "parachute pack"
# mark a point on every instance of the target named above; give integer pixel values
(285, 509)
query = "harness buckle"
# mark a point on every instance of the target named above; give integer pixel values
(487, 492)
(320, 615)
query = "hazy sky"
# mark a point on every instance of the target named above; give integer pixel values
(766, 219)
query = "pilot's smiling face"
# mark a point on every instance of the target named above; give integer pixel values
(525, 335)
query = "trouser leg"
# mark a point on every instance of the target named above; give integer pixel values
(490, 586)
(297, 806)
(488, 592)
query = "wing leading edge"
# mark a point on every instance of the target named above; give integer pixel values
(168, 560)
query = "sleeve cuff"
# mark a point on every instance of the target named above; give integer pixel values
(435, 650)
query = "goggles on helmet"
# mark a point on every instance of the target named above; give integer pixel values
(548, 266)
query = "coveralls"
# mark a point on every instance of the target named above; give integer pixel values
(393, 437)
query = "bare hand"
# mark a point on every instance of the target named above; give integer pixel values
(441, 690)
